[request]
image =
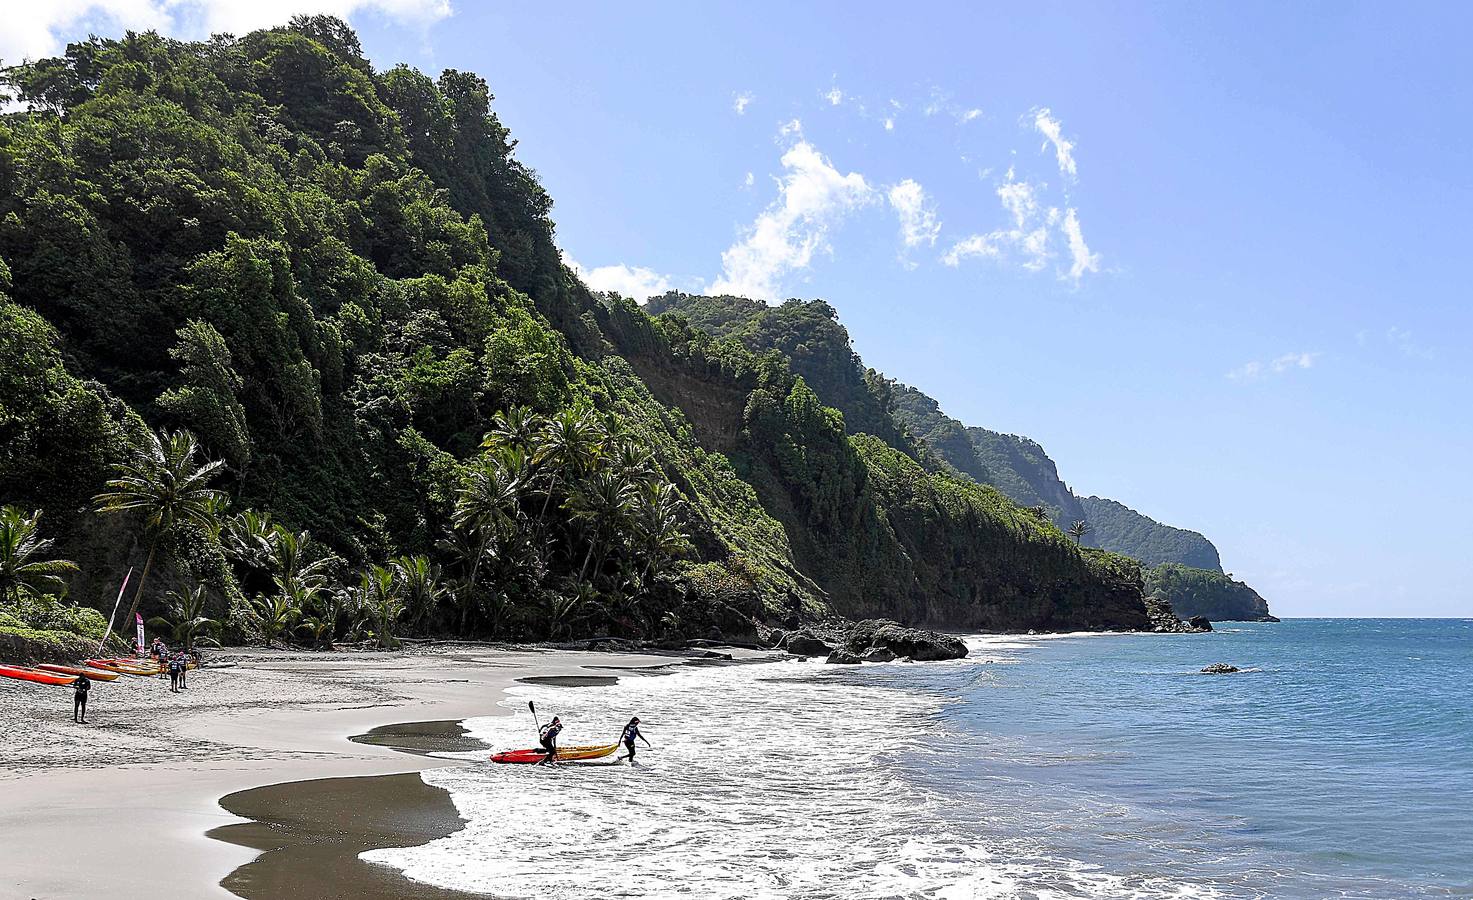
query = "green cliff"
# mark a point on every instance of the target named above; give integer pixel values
(1206, 592)
(344, 284)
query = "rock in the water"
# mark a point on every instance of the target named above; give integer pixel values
(803, 643)
(843, 658)
(917, 643)
(776, 638)
(1220, 669)
(1199, 623)
(878, 655)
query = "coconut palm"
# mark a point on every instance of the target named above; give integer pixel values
(381, 600)
(248, 537)
(658, 511)
(568, 448)
(422, 586)
(487, 507)
(1079, 529)
(163, 481)
(291, 570)
(516, 427)
(277, 614)
(602, 504)
(186, 621)
(25, 560)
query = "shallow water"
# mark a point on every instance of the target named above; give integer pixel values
(1077, 766)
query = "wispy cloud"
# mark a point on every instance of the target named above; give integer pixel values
(1029, 239)
(1288, 362)
(1402, 340)
(34, 30)
(1053, 132)
(813, 197)
(740, 101)
(636, 282)
(834, 96)
(917, 214)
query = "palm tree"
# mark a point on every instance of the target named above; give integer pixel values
(186, 621)
(380, 597)
(422, 588)
(657, 514)
(24, 556)
(466, 546)
(292, 573)
(602, 504)
(488, 505)
(1079, 529)
(248, 537)
(276, 614)
(515, 427)
(162, 481)
(569, 447)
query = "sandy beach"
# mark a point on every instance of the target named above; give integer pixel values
(124, 805)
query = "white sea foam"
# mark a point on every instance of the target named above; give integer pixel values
(767, 781)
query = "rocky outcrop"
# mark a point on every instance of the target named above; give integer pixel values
(1220, 669)
(911, 643)
(878, 655)
(805, 643)
(843, 657)
(1164, 619)
(1203, 592)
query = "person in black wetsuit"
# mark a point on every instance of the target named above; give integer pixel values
(174, 674)
(81, 686)
(548, 739)
(631, 731)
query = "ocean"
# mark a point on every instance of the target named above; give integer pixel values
(1339, 763)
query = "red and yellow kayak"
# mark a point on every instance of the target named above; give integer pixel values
(564, 754)
(94, 674)
(25, 673)
(125, 668)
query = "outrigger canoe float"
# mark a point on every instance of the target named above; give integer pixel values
(94, 674)
(564, 754)
(25, 673)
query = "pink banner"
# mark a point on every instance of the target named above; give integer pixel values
(139, 617)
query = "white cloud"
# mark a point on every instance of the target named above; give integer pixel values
(834, 96)
(813, 196)
(38, 29)
(968, 115)
(790, 128)
(889, 123)
(1031, 234)
(1081, 259)
(740, 102)
(918, 222)
(749, 180)
(635, 282)
(1288, 362)
(1053, 130)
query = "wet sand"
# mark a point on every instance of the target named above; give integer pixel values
(141, 786)
(312, 832)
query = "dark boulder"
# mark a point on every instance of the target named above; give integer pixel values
(878, 655)
(843, 658)
(1199, 623)
(803, 643)
(1220, 669)
(916, 643)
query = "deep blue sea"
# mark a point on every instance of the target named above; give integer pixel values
(1339, 763)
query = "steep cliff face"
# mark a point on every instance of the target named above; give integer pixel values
(1205, 592)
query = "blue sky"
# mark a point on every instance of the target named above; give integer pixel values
(1210, 256)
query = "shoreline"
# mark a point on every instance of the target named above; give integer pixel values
(254, 720)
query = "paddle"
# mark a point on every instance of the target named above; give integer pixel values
(533, 707)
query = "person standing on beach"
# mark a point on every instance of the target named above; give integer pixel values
(80, 687)
(183, 671)
(174, 674)
(548, 739)
(631, 731)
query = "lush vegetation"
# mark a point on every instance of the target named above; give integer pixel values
(290, 337)
(1206, 592)
(1124, 530)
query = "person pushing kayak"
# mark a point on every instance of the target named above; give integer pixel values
(548, 738)
(631, 732)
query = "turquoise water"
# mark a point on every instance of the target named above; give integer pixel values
(1340, 764)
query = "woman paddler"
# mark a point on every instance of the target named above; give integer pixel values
(631, 731)
(548, 739)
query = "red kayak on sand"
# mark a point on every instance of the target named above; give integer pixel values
(25, 673)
